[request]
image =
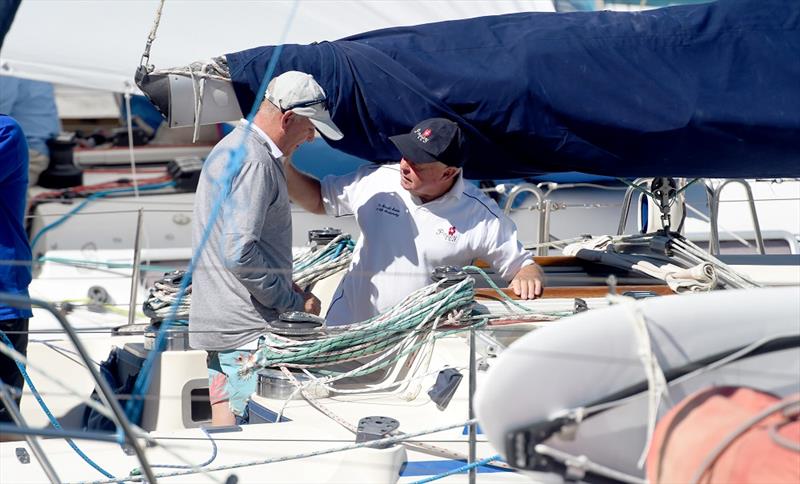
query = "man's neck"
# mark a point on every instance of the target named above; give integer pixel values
(269, 131)
(425, 198)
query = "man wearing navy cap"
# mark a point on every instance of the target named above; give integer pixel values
(414, 216)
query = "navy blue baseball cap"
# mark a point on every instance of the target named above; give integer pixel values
(435, 139)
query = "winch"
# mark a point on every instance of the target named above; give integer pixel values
(297, 323)
(451, 276)
(175, 339)
(272, 383)
(320, 237)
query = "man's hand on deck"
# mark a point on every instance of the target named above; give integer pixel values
(528, 283)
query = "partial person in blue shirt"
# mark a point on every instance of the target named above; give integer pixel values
(15, 252)
(33, 105)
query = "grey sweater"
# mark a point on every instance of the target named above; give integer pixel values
(243, 277)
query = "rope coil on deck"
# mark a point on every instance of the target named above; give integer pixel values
(314, 265)
(395, 332)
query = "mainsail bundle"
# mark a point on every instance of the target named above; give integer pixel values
(705, 90)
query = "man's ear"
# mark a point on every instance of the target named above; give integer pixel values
(449, 173)
(287, 118)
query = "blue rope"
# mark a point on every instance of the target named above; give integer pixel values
(49, 414)
(236, 156)
(339, 248)
(459, 470)
(91, 198)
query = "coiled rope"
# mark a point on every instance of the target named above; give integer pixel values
(395, 332)
(314, 265)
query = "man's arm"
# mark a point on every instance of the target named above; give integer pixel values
(304, 190)
(252, 191)
(528, 282)
(506, 254)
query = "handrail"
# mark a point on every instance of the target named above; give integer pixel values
(106, 394)
(626, 203)
(544, 211)
(713, 194)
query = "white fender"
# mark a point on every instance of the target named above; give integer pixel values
(592, 356)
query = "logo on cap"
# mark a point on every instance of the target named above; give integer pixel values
(423, 136)
(434, 139)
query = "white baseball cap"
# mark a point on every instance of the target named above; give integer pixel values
(300, 93)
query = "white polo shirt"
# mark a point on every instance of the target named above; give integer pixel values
(403, 240)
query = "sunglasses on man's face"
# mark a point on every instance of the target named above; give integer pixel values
(303, 104)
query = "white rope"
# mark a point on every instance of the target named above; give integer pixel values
(129, 115)
(707, 271)
(730, 276)
(418, 446)
(700, 278)
(584, 464)
(314, 265)
(594, 243)
(656, 381)
(151, 37)
(163, 296)
(555, 243)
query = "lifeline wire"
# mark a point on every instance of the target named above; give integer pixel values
(372, 443)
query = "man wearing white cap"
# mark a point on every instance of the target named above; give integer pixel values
(243, 276)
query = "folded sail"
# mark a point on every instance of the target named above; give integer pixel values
(708, 90)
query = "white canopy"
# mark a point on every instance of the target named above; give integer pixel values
(98, 43)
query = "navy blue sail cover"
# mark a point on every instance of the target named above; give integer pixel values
(709, 90)
(8, 10)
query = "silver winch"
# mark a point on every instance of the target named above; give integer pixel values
(451, 276)
(272, 383)
(320, 237)
(297, 324)
(176, 338)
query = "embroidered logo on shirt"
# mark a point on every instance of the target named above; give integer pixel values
(450, 235)
(387, 209)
